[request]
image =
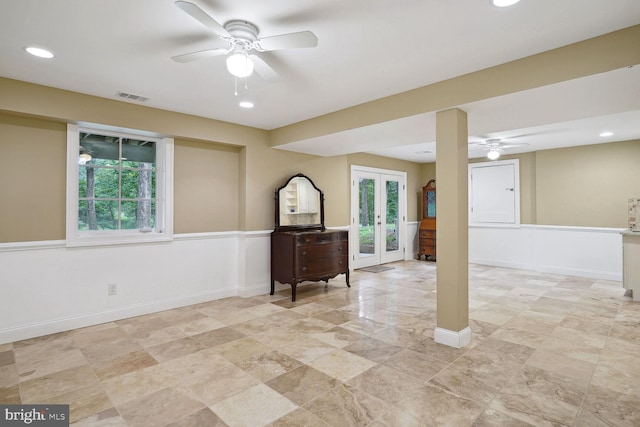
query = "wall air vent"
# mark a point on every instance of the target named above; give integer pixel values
(132, 97)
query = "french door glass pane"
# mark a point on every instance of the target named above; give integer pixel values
(391, 236)
(367, 220)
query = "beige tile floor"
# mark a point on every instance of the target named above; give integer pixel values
(547, 350)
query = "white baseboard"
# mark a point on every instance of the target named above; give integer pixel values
(255, 290)
(455, 339)
(501, 263)
(53, 326)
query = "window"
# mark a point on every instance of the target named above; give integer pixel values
(118, 186)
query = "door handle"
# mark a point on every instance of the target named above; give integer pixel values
(509, 189)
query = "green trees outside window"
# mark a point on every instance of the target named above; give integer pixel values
(367, 214)
(116, 183)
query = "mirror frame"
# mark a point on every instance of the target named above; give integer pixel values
(298, 227)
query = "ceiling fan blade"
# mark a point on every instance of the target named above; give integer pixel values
(264, 70)
(188, 57)
(513, 144)
(288, 41)
(202, 17)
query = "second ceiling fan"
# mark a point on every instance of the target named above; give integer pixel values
(495, 146)
(241, 43)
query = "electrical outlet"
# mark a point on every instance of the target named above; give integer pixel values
(112, 289)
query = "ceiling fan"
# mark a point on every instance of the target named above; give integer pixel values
(495, 147)
(241, 38)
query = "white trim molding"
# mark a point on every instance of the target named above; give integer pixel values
(455, 339)
(161, 232)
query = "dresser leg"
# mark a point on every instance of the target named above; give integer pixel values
(347, 277)
(293, 292)
(272, 287)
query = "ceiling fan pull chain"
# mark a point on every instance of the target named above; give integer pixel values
(235, 85)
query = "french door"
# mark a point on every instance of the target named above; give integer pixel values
(378, 218)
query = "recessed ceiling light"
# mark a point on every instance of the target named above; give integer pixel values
(504, 3)
(39, 52)
(246, 104)
(606, 134)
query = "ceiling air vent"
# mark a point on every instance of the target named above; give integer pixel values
(132, 97)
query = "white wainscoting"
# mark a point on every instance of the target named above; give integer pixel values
(46, 287)
(411, 249)
(578, 251)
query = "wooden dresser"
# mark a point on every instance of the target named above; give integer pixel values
(297, 256)
(427, 230)
(301, 247)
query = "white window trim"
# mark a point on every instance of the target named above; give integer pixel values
(163, 230)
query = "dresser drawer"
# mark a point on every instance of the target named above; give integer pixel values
(428, 242)
(322, 258)
(427, 234)
(321, 237)
(322, 250)
(322, 266)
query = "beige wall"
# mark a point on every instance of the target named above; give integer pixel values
(206, 187)
(209, 182)
(217, 187)
(268, 169)
(582, 186)
(33, 158)
(587, 185)
(579, 186)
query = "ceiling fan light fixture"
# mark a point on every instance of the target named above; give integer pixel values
(493, 154)
(246, 104)
(84, 158)
(240, 65)
(504, 3)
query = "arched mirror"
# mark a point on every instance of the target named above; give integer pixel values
(299, 205)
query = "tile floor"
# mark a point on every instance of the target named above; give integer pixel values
(547, 350)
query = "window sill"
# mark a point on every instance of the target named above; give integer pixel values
(127, 239)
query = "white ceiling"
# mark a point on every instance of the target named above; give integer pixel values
(367, 49)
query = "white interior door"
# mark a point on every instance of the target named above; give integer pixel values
(494, 193)
(378, 201)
